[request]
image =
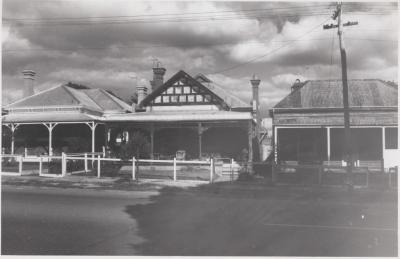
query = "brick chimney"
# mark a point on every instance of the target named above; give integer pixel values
(158, 76)
(141, 91)
(29, 77)
(255, 82)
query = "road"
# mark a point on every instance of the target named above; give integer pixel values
(68, 221)
(221, 219)
(249, 220)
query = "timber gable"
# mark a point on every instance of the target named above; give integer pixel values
(182, 89)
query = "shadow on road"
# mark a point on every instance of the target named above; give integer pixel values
(250, 219)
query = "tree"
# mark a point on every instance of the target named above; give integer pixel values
(138, 146)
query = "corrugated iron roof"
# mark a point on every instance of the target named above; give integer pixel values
(328, 94)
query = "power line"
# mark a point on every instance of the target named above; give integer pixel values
(165, 20)
(268, 53)
(165, 14)
(155, 46)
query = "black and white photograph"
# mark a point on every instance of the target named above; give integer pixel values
(199, 128)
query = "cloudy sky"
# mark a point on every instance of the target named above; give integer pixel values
(112, 44)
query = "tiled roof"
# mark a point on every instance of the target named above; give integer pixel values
(93, 99)
(232, 100)
(106, 101)
(328, 94)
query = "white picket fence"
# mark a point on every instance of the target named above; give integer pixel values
(7, 159)
(133, 162)
(57, 166)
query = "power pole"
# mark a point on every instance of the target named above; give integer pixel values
(347, 132)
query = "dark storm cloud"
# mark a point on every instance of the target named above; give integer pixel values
(206, 46)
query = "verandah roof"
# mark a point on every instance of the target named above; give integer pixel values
(163, 116)
(40, 117)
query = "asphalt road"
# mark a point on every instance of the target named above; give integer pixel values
(68, 221)
(248, 220)
(220, 219)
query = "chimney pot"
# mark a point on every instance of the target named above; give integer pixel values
(297, 84)
(29, 78)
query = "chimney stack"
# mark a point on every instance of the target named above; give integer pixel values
(29, 77)
(158, 76)
(255, 82)
(141, 94)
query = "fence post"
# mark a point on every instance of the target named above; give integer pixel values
(20, 165)
(104, 151)
(98, 166)
(211, 170)
(25, 152)
(63, 164)
(133, 168)
(320, 170)
(86, 165)
(273, 173)
(231, 169)
(174, 168)
(40, 166)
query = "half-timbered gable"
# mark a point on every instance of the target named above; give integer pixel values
(184, 90)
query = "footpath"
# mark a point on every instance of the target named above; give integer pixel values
(82, 182)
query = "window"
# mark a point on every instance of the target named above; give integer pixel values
(199, 98)
(391, 138)
(191, 98)
(182, 98)
(207, 97)
(158, 99)
(165, 99)
(170, 90)
(186, 90)
(174, 99)
(178, 90)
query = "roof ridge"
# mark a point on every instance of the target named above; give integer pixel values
(228, 92)
(71, 91)
(109, 96)
(27, 97)
(92, 98)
